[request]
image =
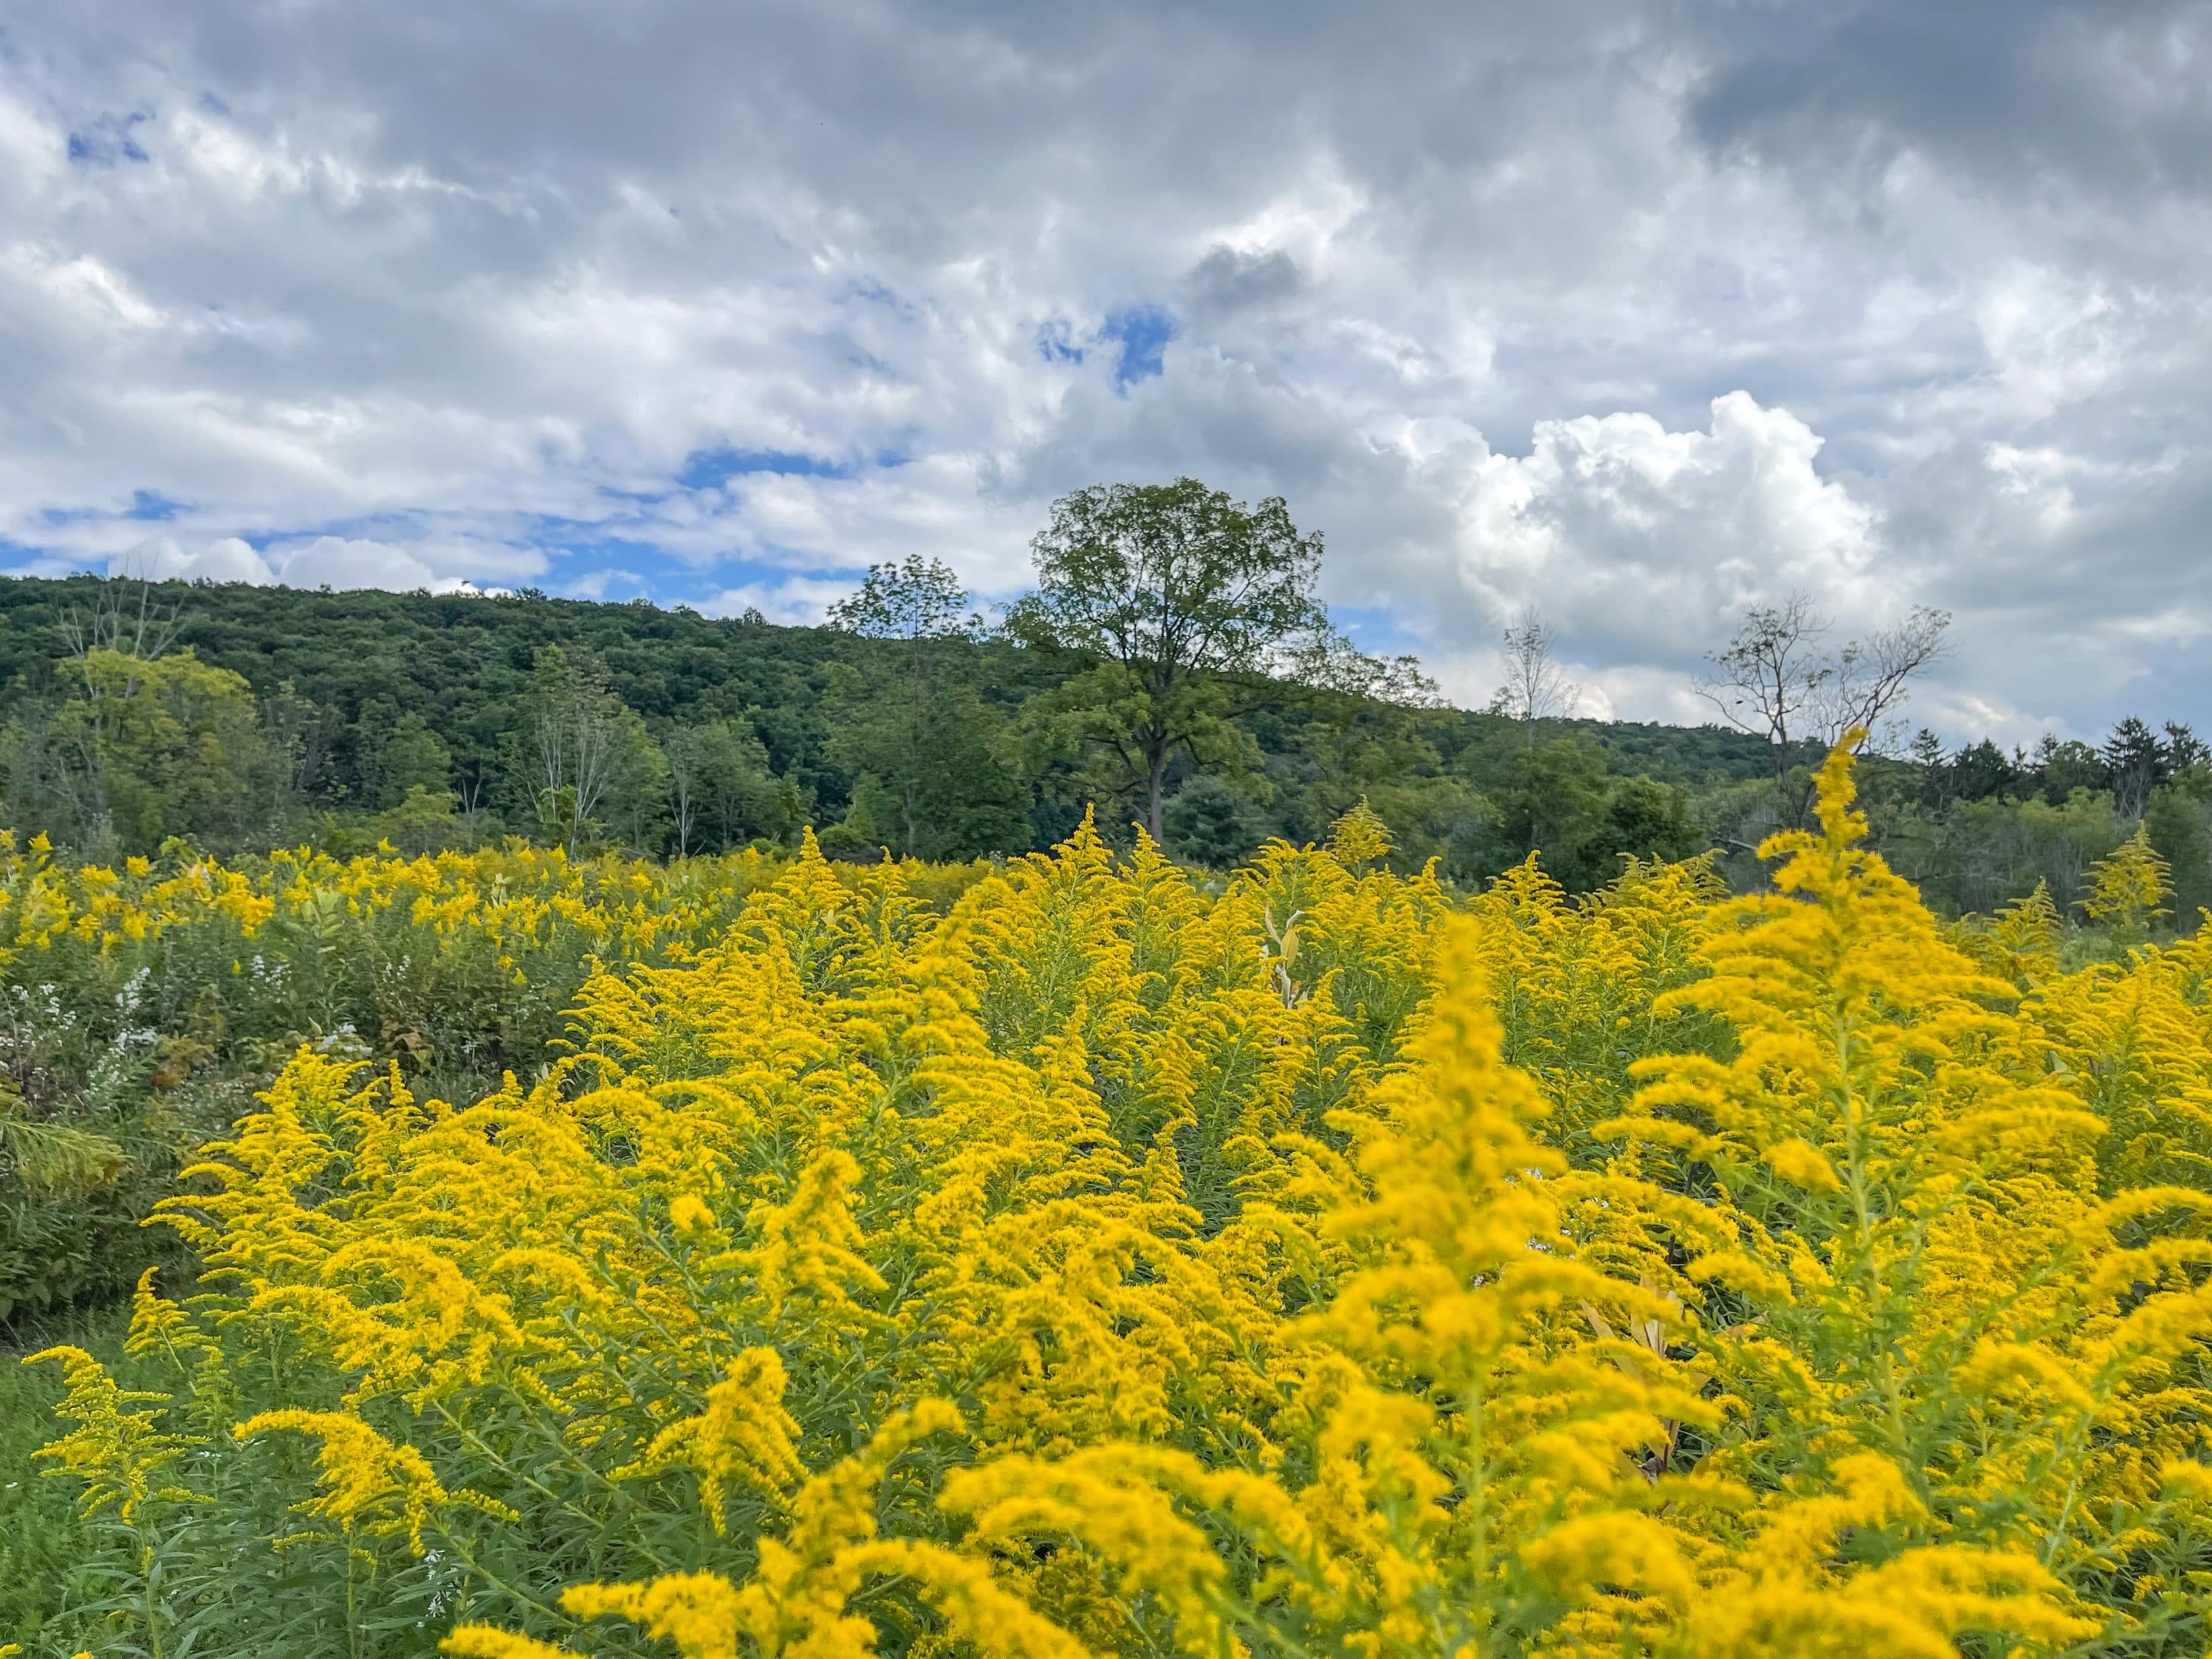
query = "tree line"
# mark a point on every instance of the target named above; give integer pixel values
(1172, 668)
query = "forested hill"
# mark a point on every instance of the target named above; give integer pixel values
(373, 694)
(274, 716)
(463, 664)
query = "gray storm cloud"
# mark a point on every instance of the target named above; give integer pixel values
(1631, 312)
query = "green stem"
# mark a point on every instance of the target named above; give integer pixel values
(459, 1546)
(146, 1581)
(1885, 1378)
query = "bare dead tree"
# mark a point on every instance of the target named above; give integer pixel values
(1535, 687)
(682, 749)
(300, 733)
(125, 615)
(1871, 679)
(1767, 675)
(576, 734)
(474, 795)
(1776, 680)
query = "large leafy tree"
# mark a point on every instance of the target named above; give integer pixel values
(1213, 824)
(919, 602)
(1181, 601)
(936, 788)
(145, 749)
(1559, 800)
(402, 756)
(1367, 735)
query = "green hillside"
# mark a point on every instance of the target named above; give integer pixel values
(349, 676)
(274, 716)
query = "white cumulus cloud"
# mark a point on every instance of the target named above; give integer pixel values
(164, 558)
(794, 601)
(1632, 313)
(1629, 534)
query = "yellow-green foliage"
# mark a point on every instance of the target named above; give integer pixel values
(2131, 885)
(1321, 1267)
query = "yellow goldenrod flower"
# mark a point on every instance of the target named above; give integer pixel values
(1065, 1256)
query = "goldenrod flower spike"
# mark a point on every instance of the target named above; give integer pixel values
(369, 1483)
(116, 1451)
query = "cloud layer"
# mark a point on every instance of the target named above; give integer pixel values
(1634, 312)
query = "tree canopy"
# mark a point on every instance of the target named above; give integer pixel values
(1185, 605)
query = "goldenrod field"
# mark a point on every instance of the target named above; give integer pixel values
(1080, 1262)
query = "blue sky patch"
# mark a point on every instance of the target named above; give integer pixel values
(1375, 628)
(152, 507)
(1056, 342)
(108, 141)
(710, 468)
(1143, 332)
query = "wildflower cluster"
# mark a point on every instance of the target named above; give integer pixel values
(139, 1007)
(1100, 1265)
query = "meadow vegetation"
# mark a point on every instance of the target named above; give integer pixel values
(1081, 1256)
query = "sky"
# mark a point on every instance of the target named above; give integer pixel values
(1632, 313)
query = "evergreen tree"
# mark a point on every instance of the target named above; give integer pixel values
(2134, 762)
(1981, 771)
(2181, 750)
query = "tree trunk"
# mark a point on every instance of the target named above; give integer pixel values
(1156, 778)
